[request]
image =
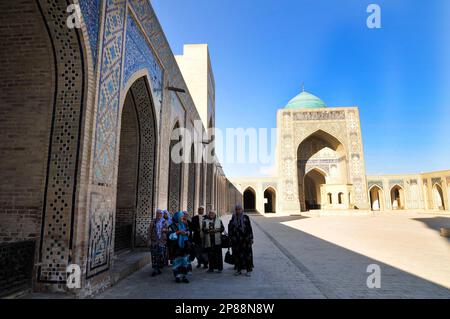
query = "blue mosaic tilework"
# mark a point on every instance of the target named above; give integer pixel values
(109, 92)
(139, 56)
(91, 15)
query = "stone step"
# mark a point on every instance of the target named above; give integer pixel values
(128, 263)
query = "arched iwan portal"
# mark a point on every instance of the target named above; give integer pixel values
(321, 151)
(135, 181)
(269, 201)
(249, 200)
(397, 197)
(313, 183)
(438, 197)
(376, 198)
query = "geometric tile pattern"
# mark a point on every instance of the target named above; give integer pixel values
(139, 56)
(100, 235)
(91, 15)
(377, 183)
(436, 180)
(191, 183)
(58, 212)
(147, 154)
(109, 93)
(394, 182)
(202, 184)
(175, 179)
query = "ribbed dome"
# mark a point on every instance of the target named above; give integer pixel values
(305, 100)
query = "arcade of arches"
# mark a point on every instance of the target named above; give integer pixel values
(84, 158)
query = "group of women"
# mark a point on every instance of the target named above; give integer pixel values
(177, 239)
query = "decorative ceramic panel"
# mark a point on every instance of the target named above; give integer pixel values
(109, 93)
(91, 15)
(54, 252)
(138, 56)
(436, 180)
(100, 235)
(376, 182)
(319, 116)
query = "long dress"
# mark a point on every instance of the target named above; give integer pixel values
(241, 243)
(181, 265)
(158, 243)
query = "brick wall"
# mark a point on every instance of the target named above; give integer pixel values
(26, 100)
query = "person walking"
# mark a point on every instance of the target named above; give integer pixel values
(241, 235)
(158, 242)
(197, 238)
(213, 229)
(179, 237)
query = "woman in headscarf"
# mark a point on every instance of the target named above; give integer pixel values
(168, 218)
(179, 236)
(241, 235)
(158, 242)
(213, 229)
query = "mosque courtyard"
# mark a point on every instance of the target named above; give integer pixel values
(321, 257)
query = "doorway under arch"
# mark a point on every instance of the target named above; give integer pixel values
(438, 197)
(313, 181)
(397, 198)
(376, 198)
(270, 203)
(325, 154)
(136, 169)
(249, 200)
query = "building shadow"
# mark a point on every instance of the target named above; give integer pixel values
(435, 223)
(342, 273)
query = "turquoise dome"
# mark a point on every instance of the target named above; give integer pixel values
(305, 100)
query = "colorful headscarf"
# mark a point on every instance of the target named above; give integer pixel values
(169, 216)
(238, 222)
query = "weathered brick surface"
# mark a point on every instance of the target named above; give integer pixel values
(26, 100)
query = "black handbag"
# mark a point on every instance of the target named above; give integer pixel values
(229, 258)
(225, 240)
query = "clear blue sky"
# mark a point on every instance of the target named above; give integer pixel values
(262, 50)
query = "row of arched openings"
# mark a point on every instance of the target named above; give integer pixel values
(249, 200)
(397, 198)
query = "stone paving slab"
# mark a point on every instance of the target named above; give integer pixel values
(275, 276)
(343, 271)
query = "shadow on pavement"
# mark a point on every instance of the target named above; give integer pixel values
(341, 273)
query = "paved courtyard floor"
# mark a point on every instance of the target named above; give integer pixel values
(321, 257)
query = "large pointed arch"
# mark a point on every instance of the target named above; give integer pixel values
(136, 176)
(323, 153)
